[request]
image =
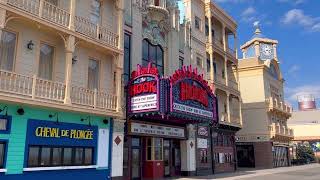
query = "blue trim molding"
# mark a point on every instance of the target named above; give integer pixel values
(5, 141)
(8, 127)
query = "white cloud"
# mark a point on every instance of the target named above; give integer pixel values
(249, 15)
(294, 69)
(298, 17)
(293, 93)
(294, 2)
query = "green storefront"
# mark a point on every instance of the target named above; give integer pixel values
(49, 143)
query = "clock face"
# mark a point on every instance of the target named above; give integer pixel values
(266, 51)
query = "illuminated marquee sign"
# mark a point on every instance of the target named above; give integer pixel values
(144, 90)
(52, 133)
(191, 96)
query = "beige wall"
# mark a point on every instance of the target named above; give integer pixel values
(26, 61)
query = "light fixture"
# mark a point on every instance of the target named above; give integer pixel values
(20, 111)
(54, 115)
(4, 108)
(74, 59)
(105, 121)
(30, 45)
(87, 119)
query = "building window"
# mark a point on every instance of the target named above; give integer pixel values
(197, 23)
(2, 154)
(93, 74)
(127, 57)
(207, 26)
(181, 59)
(199, 62)
(154, 149)
(95, 11)
(208, 63)
(46, 156)
(216, 158)
(152, 54)
(46, 61)
(204, 156)
(7, 50)
(5, 124)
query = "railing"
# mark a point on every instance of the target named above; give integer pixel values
(49, 89)
(217, 42)
(82, 96)
(46, 11)
(219, 78)
(13, 84)
(93, 98)
(232, 52)
(54, 14)
(30, 6)
(233, 85)
(86, 27)
(224, 117)
(108, 37)
(235, 119)
(106, 101)
(280, 106)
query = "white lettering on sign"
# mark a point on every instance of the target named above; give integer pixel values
(192, 110)
(144, 102)
(150, 129)
(202, 143)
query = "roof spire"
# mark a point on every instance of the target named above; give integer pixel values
(256, 25)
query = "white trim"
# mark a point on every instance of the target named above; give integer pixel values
(58, 168)
(3, 170)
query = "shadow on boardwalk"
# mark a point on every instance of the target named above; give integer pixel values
(251, 172)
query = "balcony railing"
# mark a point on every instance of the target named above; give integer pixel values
(219, 79)
(13, 84)
(232, 52)
(218, 42)
(277, 129)
(233, 85)
(44, 10)
(275, 104)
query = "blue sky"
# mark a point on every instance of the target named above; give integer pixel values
(296, 25)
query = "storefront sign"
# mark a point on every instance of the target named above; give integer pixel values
(144, 90)
(191, 96)
(203, 131)
(202, 143)
(158, 130)
(52, 133)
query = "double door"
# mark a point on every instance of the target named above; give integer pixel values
(133, 165)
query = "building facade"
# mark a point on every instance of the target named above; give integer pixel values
(307, 117)
(264, 140)
(154, 34)
(60, 89)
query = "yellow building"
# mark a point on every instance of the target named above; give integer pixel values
(306, 126)
(264, 139)
(60, 68)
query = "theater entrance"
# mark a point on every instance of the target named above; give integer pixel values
(152, 157)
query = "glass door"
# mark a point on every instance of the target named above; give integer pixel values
(176, 158)
(135, 158)
(166, 158)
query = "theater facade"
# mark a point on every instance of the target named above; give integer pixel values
(168, 126)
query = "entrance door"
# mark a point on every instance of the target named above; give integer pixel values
(135, 159)
(166, 157)
(245, 154)
(176, 158)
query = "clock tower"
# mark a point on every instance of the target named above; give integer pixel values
(260, 46)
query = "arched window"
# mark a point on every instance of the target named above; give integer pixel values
(154, 54)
